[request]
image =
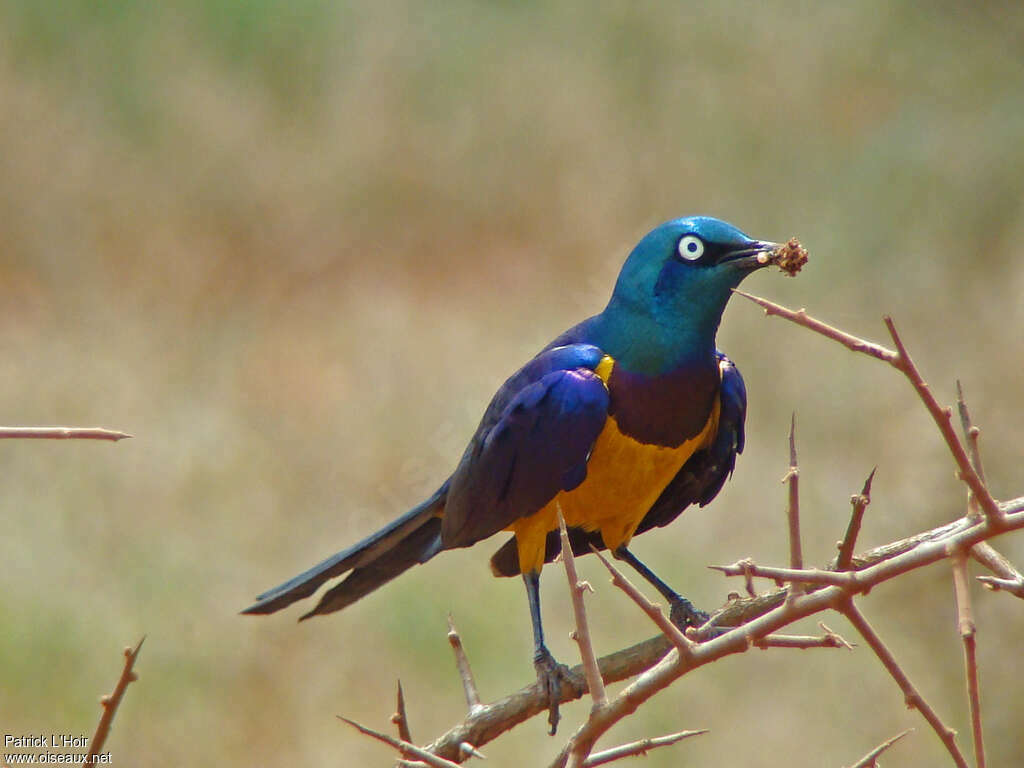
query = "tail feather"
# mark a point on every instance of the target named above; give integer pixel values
(418, 547)
(371, 560)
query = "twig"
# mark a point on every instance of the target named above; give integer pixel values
(943, 420)
(860, 502)
(465, 671)
(113, 701)
(796, 557)
(911, 695)
(800, 317)
(971, 431)
(962, 592)
(582, 633)
(653, 610)
(747, 567)
(870, 760)
(989, 557)
(400, 718)
(61, 433)
(1013, 586)
(968, 631)
(828, 640)
(901, 361)
(641, 747)
(404, 747)
(468, 750)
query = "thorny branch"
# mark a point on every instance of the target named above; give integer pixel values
(113, 701)
(901, 361)
(751, 622)
(61, 433)
(962, 590)
(860, 503)
(870, 760)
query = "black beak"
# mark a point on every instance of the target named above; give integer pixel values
(752, 256)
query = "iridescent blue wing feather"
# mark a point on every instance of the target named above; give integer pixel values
(533, 442)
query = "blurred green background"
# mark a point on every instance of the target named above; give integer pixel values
(294, 249)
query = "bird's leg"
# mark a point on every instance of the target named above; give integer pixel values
(550, 673)
(682, 612)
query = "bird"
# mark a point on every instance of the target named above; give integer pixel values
(618, 424)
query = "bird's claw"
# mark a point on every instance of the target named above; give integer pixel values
(684, 614)
(550, 676)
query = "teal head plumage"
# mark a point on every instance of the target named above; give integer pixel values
(672, 290)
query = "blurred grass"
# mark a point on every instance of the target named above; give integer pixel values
(294, 250)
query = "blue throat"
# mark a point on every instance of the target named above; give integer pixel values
(657, 343)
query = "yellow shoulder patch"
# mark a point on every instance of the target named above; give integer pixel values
(604, 368)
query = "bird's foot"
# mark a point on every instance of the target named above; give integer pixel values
(550, 675)
(684, 614)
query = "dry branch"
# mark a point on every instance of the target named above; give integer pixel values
(911, 695)
(635, 748)
(400, 719)
(61, 433)
(1013, 586)
(404, 747)
(113, 701)
(860, 502)
(792, 479)
(968, 631)
(582, 633)
(462, 663)
(901, 361)
(653, 610)
(870, 760)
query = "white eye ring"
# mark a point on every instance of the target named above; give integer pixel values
(691, 248)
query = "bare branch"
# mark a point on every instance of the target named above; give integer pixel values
(792, 478)
(902, 361)
(829, 640)
(582, 633)
(1013, 586)
(800, 317)
(113, 701)
(465, 671)
(399, 718)
(860, 502)
(910, 694)
(641, 747)
(61, 433)
(404, 747)
(502, 715)
(967, 629)
(748, 567)
(870, 760)
(987, 555)
(653, 610)
(943, 420)
(971, 432)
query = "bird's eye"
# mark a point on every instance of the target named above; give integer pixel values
(691, 248)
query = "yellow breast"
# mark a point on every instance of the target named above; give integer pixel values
(624, 479)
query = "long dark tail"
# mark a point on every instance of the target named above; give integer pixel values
(413, 538)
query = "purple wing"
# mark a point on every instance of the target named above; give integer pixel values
(534, 441)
